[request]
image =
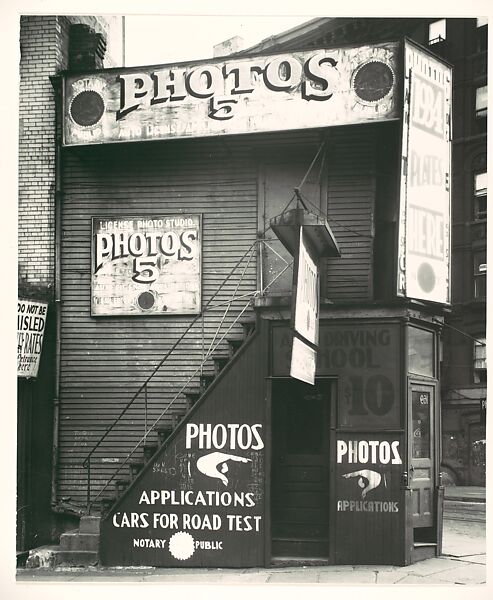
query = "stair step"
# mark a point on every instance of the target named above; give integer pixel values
(248, 327)
(192, 398)
(206, 380)
(107, 503)
(163, 432)
(76, 541)
(220, 361)
(234, 344)
(149, 450)
(134, 468)
(89, 524)
(120, 486)
(78, 558)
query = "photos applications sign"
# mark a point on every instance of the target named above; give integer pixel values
(201, 501)
(241, 95)
(424, 229)
(146, 265)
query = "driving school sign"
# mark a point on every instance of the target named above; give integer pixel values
(295, 90)
(146, 265)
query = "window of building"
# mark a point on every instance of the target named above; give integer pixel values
(437, 32)
(481, 34)
(480, 195)
(421, 352)
(480, 360)
(482, 101)
(480, 275)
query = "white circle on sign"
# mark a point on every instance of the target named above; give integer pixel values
(181, 545)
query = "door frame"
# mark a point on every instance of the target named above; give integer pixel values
(417, 384)
(333, 390)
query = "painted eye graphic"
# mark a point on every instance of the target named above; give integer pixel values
(87, 108)
(373, 81)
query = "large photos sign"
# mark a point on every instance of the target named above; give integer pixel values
(146, 265)
(295, 90)
(424, 228)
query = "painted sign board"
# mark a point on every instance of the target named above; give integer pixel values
(303, 361)
(307, 297)
(366, 359)
(424, 224)
(146, 265)
(31, 325)
(296, 90)
(368, 497)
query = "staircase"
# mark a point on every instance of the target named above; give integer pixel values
(80, 547)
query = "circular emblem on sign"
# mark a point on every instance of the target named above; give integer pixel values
(87, 108)
(426, 277)
(146, 300)
(373, 80)
(181, 545)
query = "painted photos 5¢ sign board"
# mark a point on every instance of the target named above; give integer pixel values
(146, 265)
(296, 90)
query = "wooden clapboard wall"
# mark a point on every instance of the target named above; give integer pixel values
(350, 212)
(104, 360)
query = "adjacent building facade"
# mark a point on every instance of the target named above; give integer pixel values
(48, 44)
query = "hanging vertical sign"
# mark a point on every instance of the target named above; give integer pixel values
(146, 266)
(306, 314)
(424, 223)
(31, 324)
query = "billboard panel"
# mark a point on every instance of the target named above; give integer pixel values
(424, 225)
(31, 324)
(295, 90)
(306, 311)
(146, 266)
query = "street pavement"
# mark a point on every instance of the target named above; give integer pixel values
(463, 562)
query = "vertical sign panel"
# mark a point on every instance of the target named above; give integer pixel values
(424, 228)
(146, 265)
(31, 324)
(306, 314)
(306, 310)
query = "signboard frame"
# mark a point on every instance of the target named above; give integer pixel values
(153, 297)
(424, 244)
(31, 327)
(229, 96)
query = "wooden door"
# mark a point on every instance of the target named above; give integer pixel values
(422, 457)
(300, 469)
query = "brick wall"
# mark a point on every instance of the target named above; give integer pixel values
(44, 52)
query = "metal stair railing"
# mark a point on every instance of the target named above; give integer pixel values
(254, 249)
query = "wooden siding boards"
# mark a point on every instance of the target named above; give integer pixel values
(104, 360)
(350, 212)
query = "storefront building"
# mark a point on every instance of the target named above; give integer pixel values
(254, 271)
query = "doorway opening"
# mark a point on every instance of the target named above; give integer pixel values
(300, 469)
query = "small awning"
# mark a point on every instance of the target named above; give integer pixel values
(287, 228)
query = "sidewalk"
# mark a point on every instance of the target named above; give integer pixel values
(463, 562)
(469, 493)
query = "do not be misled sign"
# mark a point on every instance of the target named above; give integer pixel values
(31, 324)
